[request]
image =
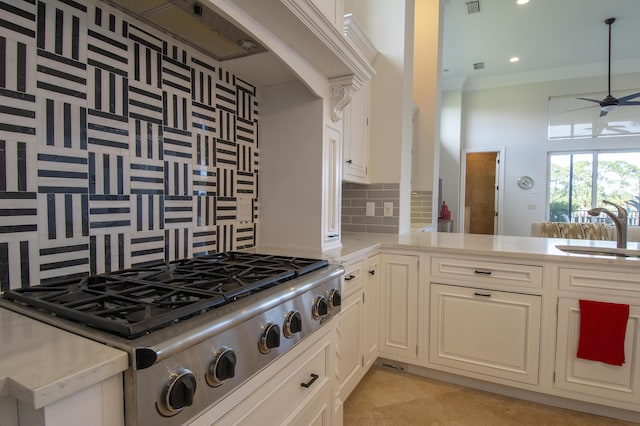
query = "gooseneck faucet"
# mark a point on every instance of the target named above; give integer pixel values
(620, 221)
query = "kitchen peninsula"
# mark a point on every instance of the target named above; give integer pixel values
(472, 309)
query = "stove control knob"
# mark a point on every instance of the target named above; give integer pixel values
(222, 367)
(320, 308)
(292, 324)
(334, 298)
(178, 392)
(270, 338)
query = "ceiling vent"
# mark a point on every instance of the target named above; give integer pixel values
(472, 7)
(478, 66)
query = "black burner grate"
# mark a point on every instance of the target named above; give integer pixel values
(135, 301)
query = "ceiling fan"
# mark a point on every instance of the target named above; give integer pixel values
(610, 103)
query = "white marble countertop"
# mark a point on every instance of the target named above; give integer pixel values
(41, 364)
(542, 249)
(353, 244)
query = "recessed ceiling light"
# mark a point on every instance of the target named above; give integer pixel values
(514, 59)
(521, 2)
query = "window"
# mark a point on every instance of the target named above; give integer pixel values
(581, 180)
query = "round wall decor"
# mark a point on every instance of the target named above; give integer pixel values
(525, 182)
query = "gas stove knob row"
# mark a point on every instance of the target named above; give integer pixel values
(292, 324)
(334, 298)
(320, 308)
(270, 338)
(221, 367)
(177, 393)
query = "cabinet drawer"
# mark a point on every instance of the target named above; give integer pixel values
(585, 280)
(495, 334)
(475, 271)
(353, 278)
(282, 394)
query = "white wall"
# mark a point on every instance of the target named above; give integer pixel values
(389, 26)
(449, 154)
(290, 184)
(516, 117)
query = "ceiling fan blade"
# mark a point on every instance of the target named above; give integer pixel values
(590, 100)
(628, 97)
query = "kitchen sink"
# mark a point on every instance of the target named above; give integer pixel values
(600, 251)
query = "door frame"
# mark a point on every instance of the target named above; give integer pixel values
(499, 181)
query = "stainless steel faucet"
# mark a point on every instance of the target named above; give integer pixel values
(619, 220)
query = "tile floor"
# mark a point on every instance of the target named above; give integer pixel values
(385, 397)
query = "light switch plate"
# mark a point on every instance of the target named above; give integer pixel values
(371, 208)
(388, 209)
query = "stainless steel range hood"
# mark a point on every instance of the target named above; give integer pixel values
(196, 24)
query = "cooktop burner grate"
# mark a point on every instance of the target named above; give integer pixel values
(135, 301)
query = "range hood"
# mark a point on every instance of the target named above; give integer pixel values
(196, 24)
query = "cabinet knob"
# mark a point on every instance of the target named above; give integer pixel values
(349, 161)
(372, 272)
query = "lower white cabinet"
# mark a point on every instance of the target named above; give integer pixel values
(613, 385)
(491, 333)
(398, 338)
(357, 346)
(300, 392)
(350, 343)
(371, 299)
(101, 404)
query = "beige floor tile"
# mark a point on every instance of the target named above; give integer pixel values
(387, 397)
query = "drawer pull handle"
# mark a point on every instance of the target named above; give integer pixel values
(372, 272)
(482, 294)
(349, 277)
(314, 377)
(481, 272)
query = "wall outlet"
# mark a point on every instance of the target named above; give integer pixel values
(371, 208)
(244, 209)
(388, 209)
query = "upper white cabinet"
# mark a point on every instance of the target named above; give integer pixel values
(356, 115)
(333, 10)
(398, 338)
(332, 184)
(356, 136)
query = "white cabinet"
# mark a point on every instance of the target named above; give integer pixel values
(610, 384)
(398, 337)
(300, 392)
(371, 307)
(593, 381)
(356, 136)
(492, 333)
(100, 404)
(332, 183)
(357, 346)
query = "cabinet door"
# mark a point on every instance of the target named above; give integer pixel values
(371, 303)
(349, 348)
(332, 173)
(613, 384)
(399, 307)
(356, 136)
(492, 333)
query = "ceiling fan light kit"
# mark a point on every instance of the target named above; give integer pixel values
(609, 103)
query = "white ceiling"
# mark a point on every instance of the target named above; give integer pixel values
(555, 39)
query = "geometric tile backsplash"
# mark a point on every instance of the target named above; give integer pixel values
(119, 145)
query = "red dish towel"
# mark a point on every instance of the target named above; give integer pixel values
(602, 329)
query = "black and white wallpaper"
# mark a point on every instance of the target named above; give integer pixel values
(118, 145)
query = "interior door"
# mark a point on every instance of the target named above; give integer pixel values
(481, 186)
